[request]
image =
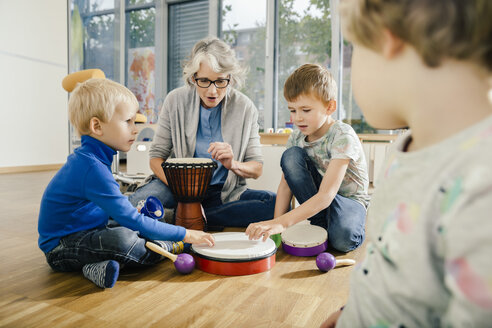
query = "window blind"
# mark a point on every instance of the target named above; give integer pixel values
(188, 23)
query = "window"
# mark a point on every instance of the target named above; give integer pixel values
(92, 36)
(128, 39)
(244, 28)
(304, 37)
(95, 41)
(140, 55)
(92, 42)
(302, 33)
(351, 112)
(188, 23)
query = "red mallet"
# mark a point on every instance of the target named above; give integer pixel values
(184, 263)
(325, 262)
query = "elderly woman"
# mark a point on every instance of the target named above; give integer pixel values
(209, 118)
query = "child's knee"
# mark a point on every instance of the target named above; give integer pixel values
(291, 158)
(346, 240)
(122, 239)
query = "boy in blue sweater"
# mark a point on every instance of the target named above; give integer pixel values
(73, 221)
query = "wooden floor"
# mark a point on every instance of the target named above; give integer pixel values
(292, 294)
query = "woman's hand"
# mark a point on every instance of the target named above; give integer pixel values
(222, 152)
(264, 229)
(198, 237)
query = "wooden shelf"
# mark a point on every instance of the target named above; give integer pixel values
(377, 137)
(274, 138)
(281, 138)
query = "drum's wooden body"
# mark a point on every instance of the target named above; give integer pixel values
(188, 179)
(304, 240)
(235, 255)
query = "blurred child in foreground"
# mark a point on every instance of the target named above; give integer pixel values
(425, 64)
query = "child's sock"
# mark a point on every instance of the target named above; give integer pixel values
(103, 274)
(175, 247)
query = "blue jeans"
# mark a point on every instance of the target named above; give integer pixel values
(344, 219)
(108, 243)
(252, 206)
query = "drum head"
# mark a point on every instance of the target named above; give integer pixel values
(235, 246)
(304, 235)
(189, 160)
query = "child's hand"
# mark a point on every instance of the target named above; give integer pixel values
(263, 229)
(198, 237)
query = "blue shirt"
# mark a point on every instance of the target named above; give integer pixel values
(209, 130)
(83, 195)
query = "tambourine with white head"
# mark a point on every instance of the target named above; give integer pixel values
(304, 240)
(235, 255)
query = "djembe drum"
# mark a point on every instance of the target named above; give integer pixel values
(188, 179)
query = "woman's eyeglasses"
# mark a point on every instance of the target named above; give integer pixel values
(205, 83)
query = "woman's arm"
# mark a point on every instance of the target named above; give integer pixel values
(155, 166)
(162, 144)
(222, 152)
(251, 169)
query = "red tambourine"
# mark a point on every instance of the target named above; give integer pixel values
(235, 255)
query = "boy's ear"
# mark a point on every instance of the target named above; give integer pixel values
(391, 45)
(332, 106)
(95, 126)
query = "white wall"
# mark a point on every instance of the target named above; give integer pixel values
(33, 62)
(272, 172)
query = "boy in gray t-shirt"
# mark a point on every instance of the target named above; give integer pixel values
(323, 167)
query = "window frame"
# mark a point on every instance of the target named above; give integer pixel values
(270, 104)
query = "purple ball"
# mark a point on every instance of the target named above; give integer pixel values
(185, 263)
(325, 261)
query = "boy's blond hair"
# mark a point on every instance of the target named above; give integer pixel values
(437, 29)
(311, 79)
(96, 98)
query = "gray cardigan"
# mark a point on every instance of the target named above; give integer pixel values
(178, 125)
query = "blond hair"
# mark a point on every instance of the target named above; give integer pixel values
(437, 29)
(219, 55)
(311, 79)
(96, 98)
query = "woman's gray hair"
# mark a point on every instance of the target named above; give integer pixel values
(219, 55)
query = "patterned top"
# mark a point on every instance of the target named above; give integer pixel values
(340, 142)
(428, 260)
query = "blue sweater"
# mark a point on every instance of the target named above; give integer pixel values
(83, 195)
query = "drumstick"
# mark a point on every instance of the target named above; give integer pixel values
(184, 263)
(344, 262)
(326, 261)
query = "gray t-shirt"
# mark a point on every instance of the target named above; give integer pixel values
(339, 142)
(428, 262)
